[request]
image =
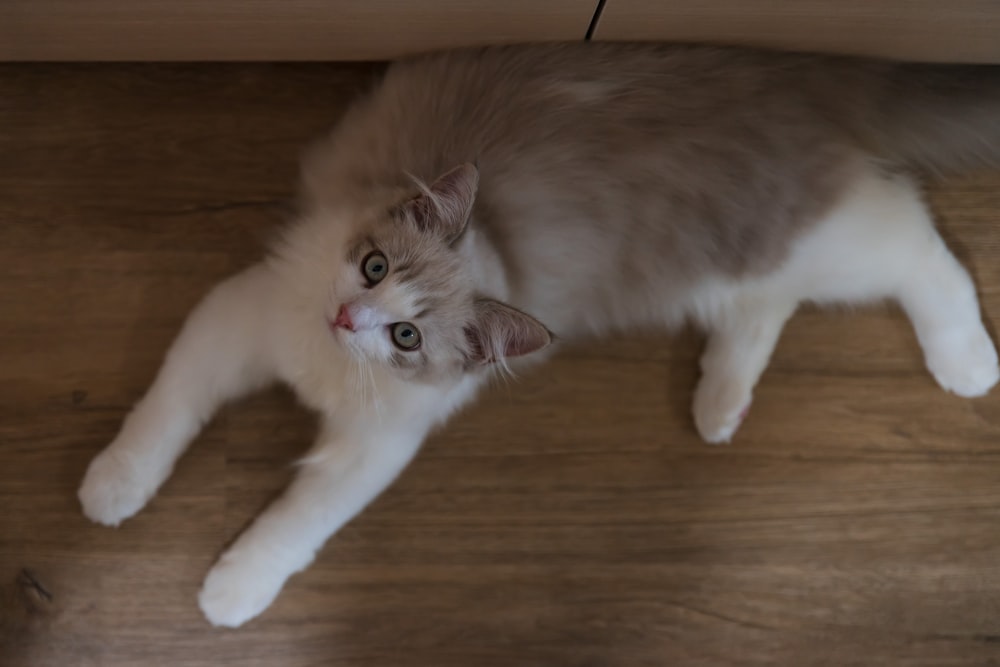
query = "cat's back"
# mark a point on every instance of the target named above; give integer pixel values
(694, 158)
(582, 100)
(590, 123)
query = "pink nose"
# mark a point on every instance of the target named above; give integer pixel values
(344, 320)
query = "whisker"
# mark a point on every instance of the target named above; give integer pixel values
(376, 399)
(360, 385)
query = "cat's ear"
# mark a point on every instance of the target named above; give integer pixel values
(445, 206)
(499, 331)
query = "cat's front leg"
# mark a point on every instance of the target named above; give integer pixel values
(739, 346)
(221, 352)
(346, 471)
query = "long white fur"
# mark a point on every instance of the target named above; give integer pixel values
(258, 327)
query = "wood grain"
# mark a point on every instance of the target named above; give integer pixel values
(569, 519)
(958, 31)
(272, 30)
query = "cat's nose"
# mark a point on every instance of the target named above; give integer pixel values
(344, 320)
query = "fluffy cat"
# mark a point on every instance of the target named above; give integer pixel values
(478, 200)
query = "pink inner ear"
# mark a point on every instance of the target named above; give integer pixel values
(477, 349)
(420, 208)
(458, 184)
(526, 339)
(502, 331)
(445, 206)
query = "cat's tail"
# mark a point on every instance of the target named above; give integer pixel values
(940, 118)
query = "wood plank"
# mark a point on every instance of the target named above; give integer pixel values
(958, 31)
(572, 518)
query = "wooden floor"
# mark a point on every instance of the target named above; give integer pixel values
(571, 519)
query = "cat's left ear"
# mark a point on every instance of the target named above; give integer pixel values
(445, 206)
(499, 331)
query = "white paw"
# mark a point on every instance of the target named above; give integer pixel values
(238, 588)
(113, 489)
(719, 408)
(964, 363)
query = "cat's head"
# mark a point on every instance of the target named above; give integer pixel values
(403, 295)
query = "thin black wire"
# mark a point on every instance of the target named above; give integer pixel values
(594, 20)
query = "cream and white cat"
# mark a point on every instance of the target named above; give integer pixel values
(477, 201)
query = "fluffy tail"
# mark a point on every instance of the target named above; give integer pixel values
(940, 118)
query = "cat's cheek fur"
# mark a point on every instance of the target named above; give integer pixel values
(372, 345)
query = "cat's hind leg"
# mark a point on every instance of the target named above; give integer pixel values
(880, 242)
(220, 353)
(940, 299)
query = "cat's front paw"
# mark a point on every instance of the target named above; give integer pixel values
(720, 406)
(238, 588)
(964, 364)
(113, 489)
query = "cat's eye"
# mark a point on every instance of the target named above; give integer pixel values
(405, 336)
(374, 267)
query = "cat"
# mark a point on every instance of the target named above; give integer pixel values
(480, 205)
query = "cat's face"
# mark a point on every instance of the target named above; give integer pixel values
(403, 297)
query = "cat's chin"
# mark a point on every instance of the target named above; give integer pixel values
(343, 339)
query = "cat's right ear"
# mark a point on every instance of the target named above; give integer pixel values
(499, 331)
(444, 207)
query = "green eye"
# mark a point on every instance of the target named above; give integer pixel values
(375, 267)
(405, 336)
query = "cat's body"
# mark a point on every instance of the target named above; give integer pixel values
(614, 187)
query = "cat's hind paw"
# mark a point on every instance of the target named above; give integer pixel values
(966, 365)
